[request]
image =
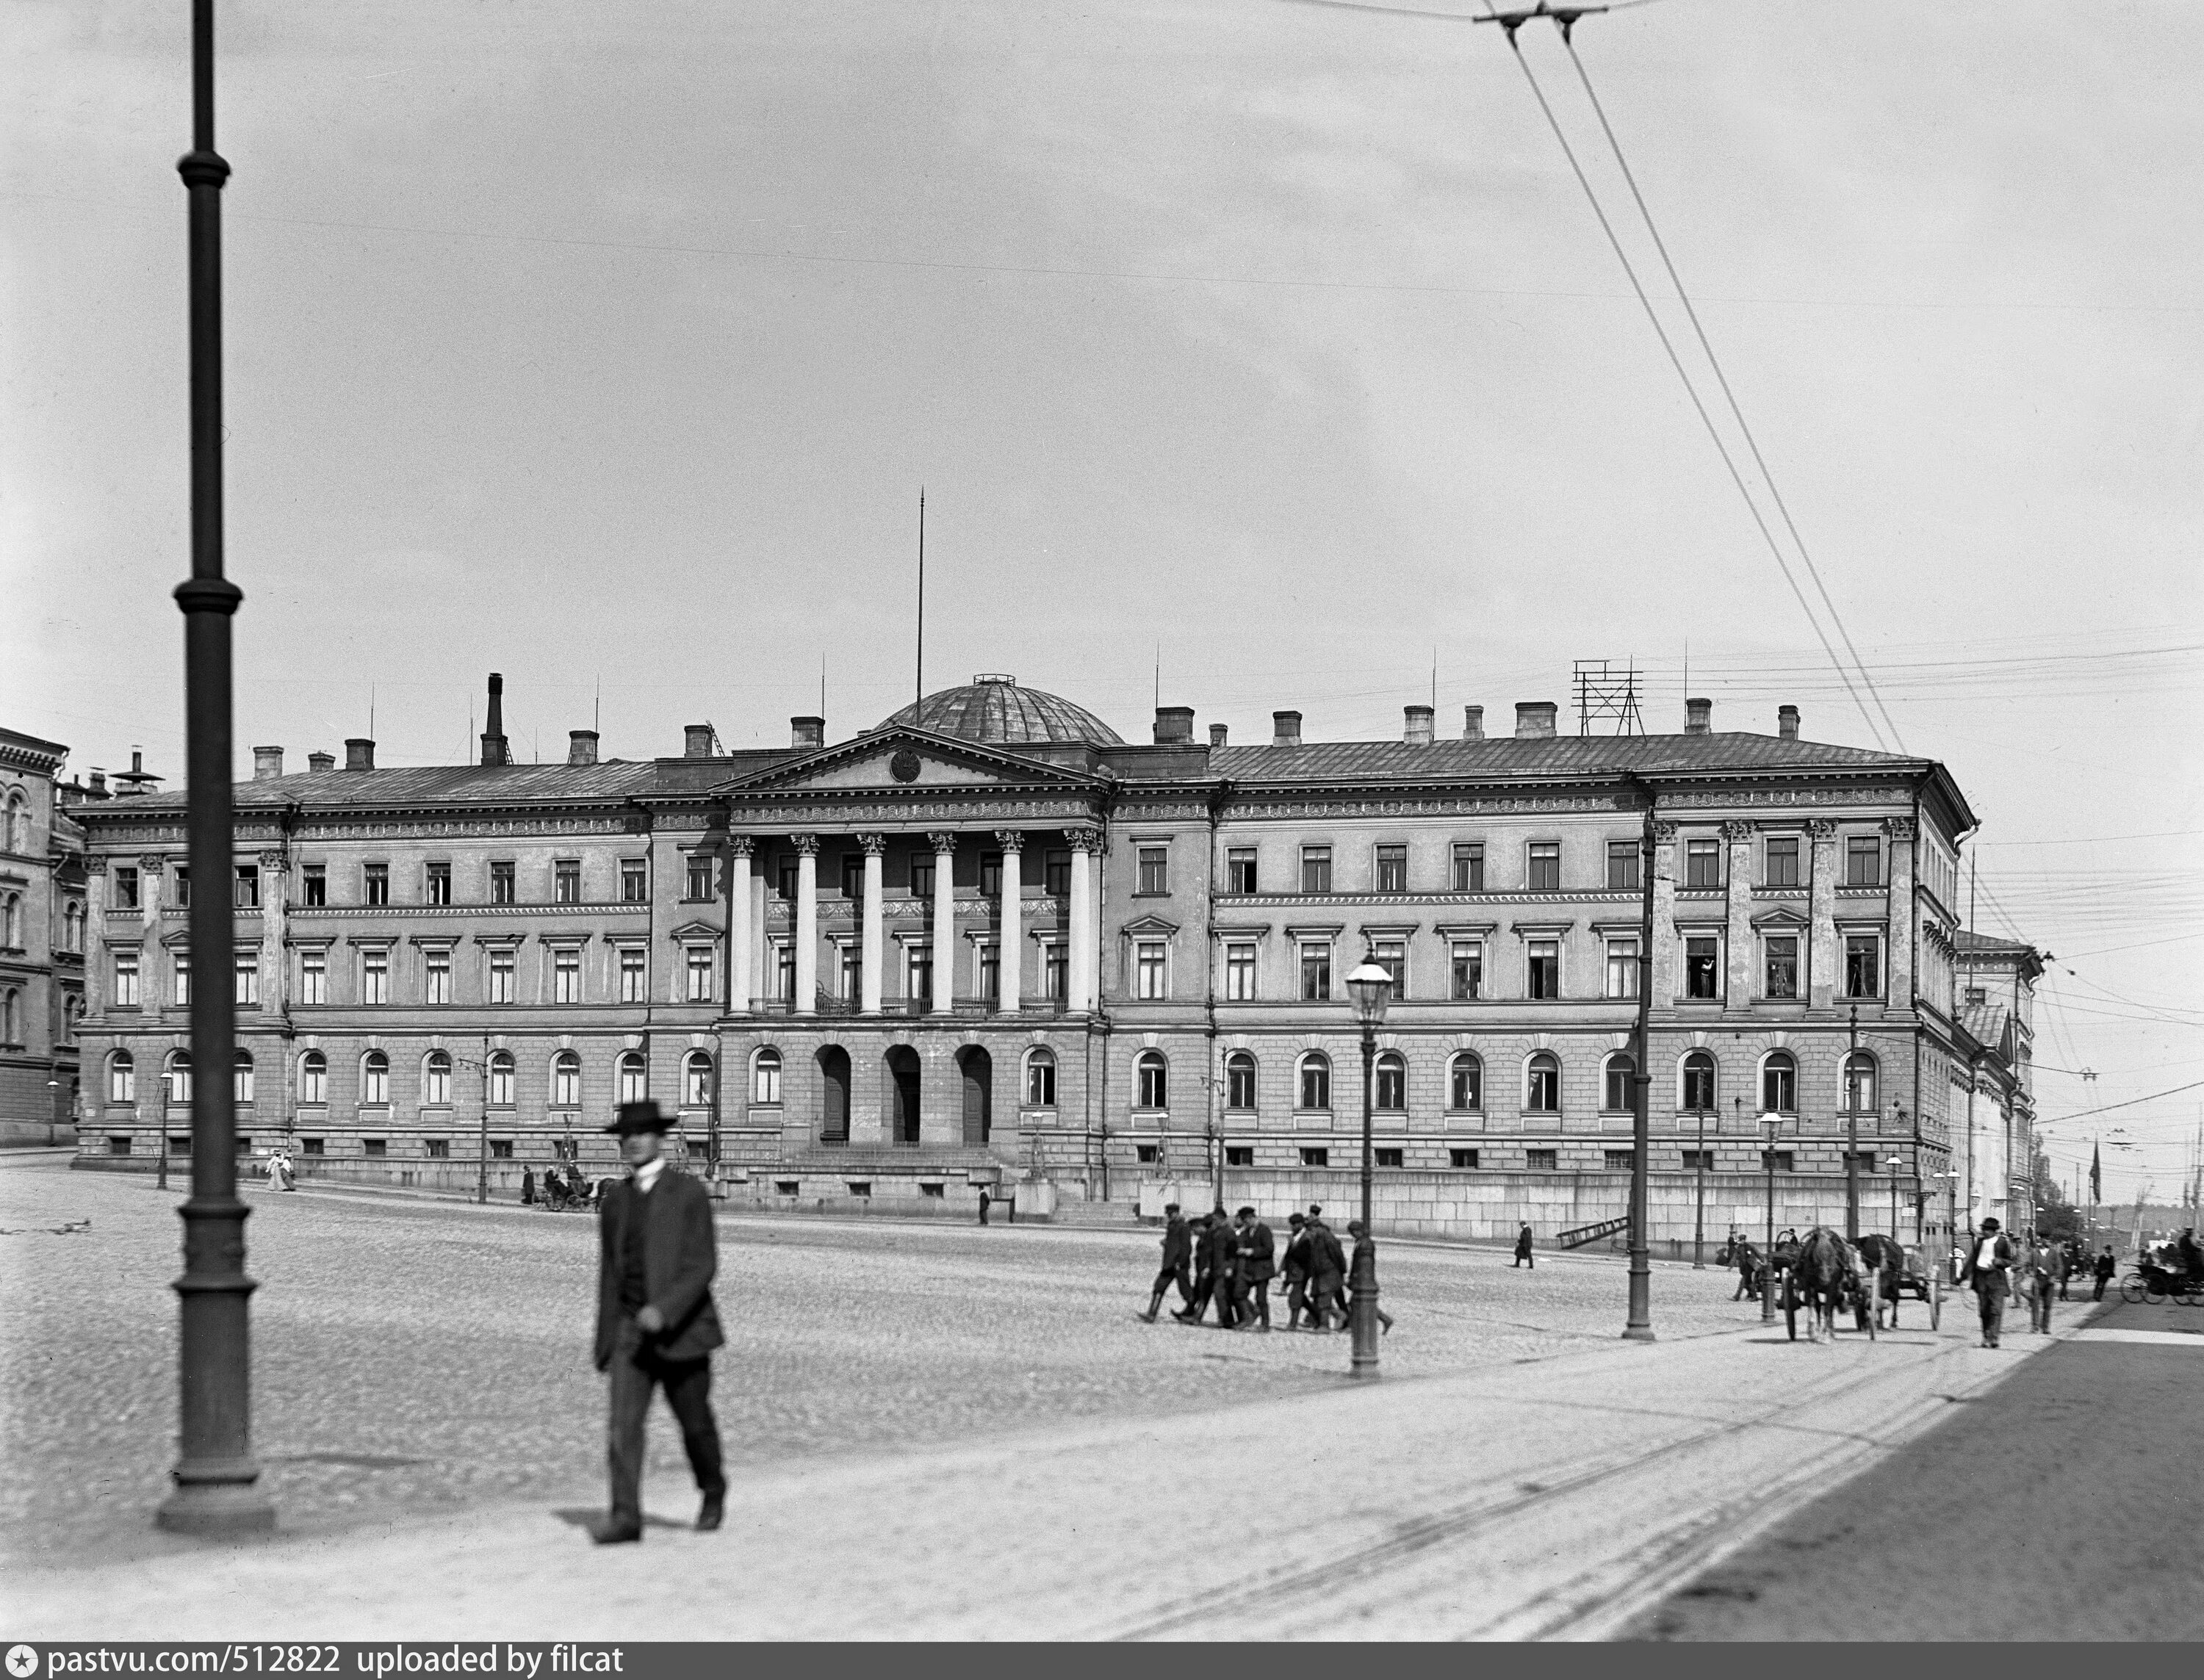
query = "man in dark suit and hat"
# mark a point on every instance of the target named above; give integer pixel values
(1178, 1254)
(656, 1325)
(1986, 1270)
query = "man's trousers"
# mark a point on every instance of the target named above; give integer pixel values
(636, 1371)
(1177, 1275)
(1990, 1299)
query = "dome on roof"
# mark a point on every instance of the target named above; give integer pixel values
(994, 708)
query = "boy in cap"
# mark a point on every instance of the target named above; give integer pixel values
(656, 1325)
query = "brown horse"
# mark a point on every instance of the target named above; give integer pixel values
(1823, 1277)
(1886, 1260)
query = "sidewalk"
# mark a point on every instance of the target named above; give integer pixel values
(1553, 1498)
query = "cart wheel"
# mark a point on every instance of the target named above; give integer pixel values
(2154, 1291)
(2131, 1291)
(1935, 1309)
(1873, 1312)
(1791, 1309)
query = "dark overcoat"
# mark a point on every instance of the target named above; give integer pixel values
(1223, 1248)
(679, 1257)
(2001, 1261)
(1259, 1253)
(1178, 1244)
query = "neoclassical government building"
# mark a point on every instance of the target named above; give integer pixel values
(988, 942)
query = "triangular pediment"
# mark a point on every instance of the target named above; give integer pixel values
(1782, 916)
(694, 929)
(895, 760)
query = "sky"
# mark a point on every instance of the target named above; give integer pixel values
(1252, 353)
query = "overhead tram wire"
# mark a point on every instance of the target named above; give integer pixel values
(1721, 378)
(1676, 362)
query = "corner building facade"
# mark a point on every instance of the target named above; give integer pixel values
(989, 943)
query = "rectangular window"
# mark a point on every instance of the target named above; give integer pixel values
(1468, 972)
(1056, 874)
(1783, 860)
(920, 966)
(852, 966)
(921, 878)
(315, 878)
(1541, 1160)
(784, 971)
(500, 1149)
(1620, 1160)
(990, 974)
(1392, 955)
(1863, 861)
(1779, 1160)
(634, 881)
(1056, 972)
(439, 1149)
(375, 977)
(126, 980)
(1239, 973)
(635, 978)
(566, 977)
(1316, 869)
(247, 893)
(437, 976)
(500, 977)
(1544, 872)
(1622, 866)
(500, 883)
(1702, 863)
(1316, 973)
(1388, 1158)
(990, 874)
(1316, 1157)
(439, 883)
(698, 886)
(1150, 961)
(566, 881)
(701, 988)
(1622, 968)
(1461, 1157)
(375, 878)
(313, 977)
(126, 888)
(1392, 869)
(1145, 1154)
(375, 1147)
(1863, 965)
(1239, 1154)
(1697, 1161)
(1469, 867)
(1782, 965)
(1155, 872)
(181, 897)
(179, 974)
(1239, 869)
(853, 875)
(1701, 966)
(248, 981)
(313, 1146)
(786, 877)
(1545, 975)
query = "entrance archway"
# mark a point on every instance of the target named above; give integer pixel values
(979, 1071)
(834, 1095)
(902, 1076)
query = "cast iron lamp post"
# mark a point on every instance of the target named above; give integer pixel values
(1371, 987)
(1894, 1162)
(1851, 1134)
(216, 1472)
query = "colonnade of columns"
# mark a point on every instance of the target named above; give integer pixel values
(747, 986)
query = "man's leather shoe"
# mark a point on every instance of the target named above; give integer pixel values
(708, 1515)
(614, 1533)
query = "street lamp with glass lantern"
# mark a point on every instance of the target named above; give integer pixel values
(1894, 1162)
(1371, 988)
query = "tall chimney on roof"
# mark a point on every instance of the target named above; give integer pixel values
(359, 753)
(696, 740)
(495, 750)
(1473, 723)
(1698, 717)
(806, 732)
(1534, 720)
(1416, 726)
(1174, 724)
(1787, 722)
(1216, 733)
(1285, 729)
(318, 762)
(267, 763)
(581, 746)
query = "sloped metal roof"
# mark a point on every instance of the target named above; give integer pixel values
(422, 784)
(1560, 755)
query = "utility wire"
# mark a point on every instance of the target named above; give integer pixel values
(1691, 390)
(1729, 396)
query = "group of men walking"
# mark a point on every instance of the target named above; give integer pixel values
(1230, 1262)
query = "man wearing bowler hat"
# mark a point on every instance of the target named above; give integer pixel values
(656, 1325)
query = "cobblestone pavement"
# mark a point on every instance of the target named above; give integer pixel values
(413, 1358)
